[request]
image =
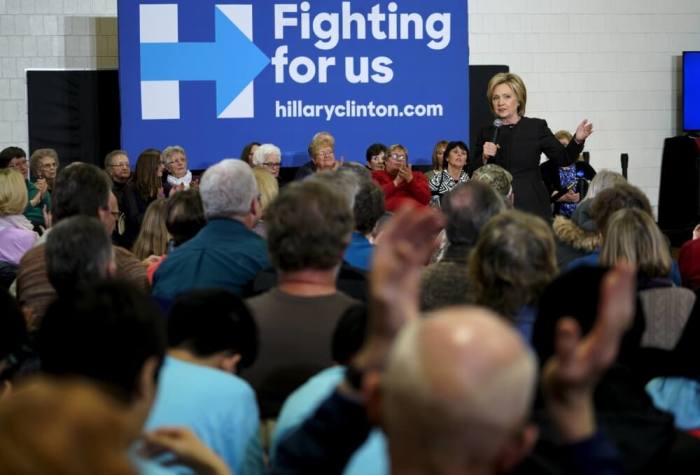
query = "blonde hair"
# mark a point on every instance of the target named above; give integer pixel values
(267, 185)
(437, 160)
(153, 237)
(632, 235)
(319, 141)
(513, 261)
(398, 146)
(563, 134)
(515, 83)
(13, 192)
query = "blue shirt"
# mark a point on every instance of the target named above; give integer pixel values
(218, 407)
(223, 255)
(680, 397)
(525, 322)
(593, 260)
(359, 252)
(370, 459)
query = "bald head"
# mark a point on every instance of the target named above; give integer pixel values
(458, 386)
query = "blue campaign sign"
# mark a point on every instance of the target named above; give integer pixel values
(212, 76)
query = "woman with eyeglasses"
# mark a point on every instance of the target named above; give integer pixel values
(44, 166)
(39, 198)
(179, 177)
(268, 157)
(400, 184)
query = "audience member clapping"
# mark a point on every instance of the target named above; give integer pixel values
(39, 198)
(645, 437)
(468, 415)
(399, 182)
(179, 176)
(44, 166)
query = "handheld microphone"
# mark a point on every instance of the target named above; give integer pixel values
(497, 124)
(624, 161)
(587, 157)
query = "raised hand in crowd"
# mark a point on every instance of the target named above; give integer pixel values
(408, 241)
(570, 376)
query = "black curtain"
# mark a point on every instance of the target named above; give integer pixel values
(75, 112)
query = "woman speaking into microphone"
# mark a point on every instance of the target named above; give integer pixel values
(516, 142)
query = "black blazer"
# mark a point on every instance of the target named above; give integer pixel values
(521, 146)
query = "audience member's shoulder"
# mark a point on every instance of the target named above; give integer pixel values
(345, 298)
(130, 268)
(224, 384)
(379, 175)
(34, 256)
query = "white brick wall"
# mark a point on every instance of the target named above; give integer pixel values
(615, 62)
(48, 34)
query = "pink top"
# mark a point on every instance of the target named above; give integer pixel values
(14, 242)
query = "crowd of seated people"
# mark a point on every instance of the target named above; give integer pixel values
(162, 320)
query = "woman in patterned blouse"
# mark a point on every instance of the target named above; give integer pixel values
(454, 164)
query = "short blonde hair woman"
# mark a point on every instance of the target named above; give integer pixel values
(515, 83)
(16, 231)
